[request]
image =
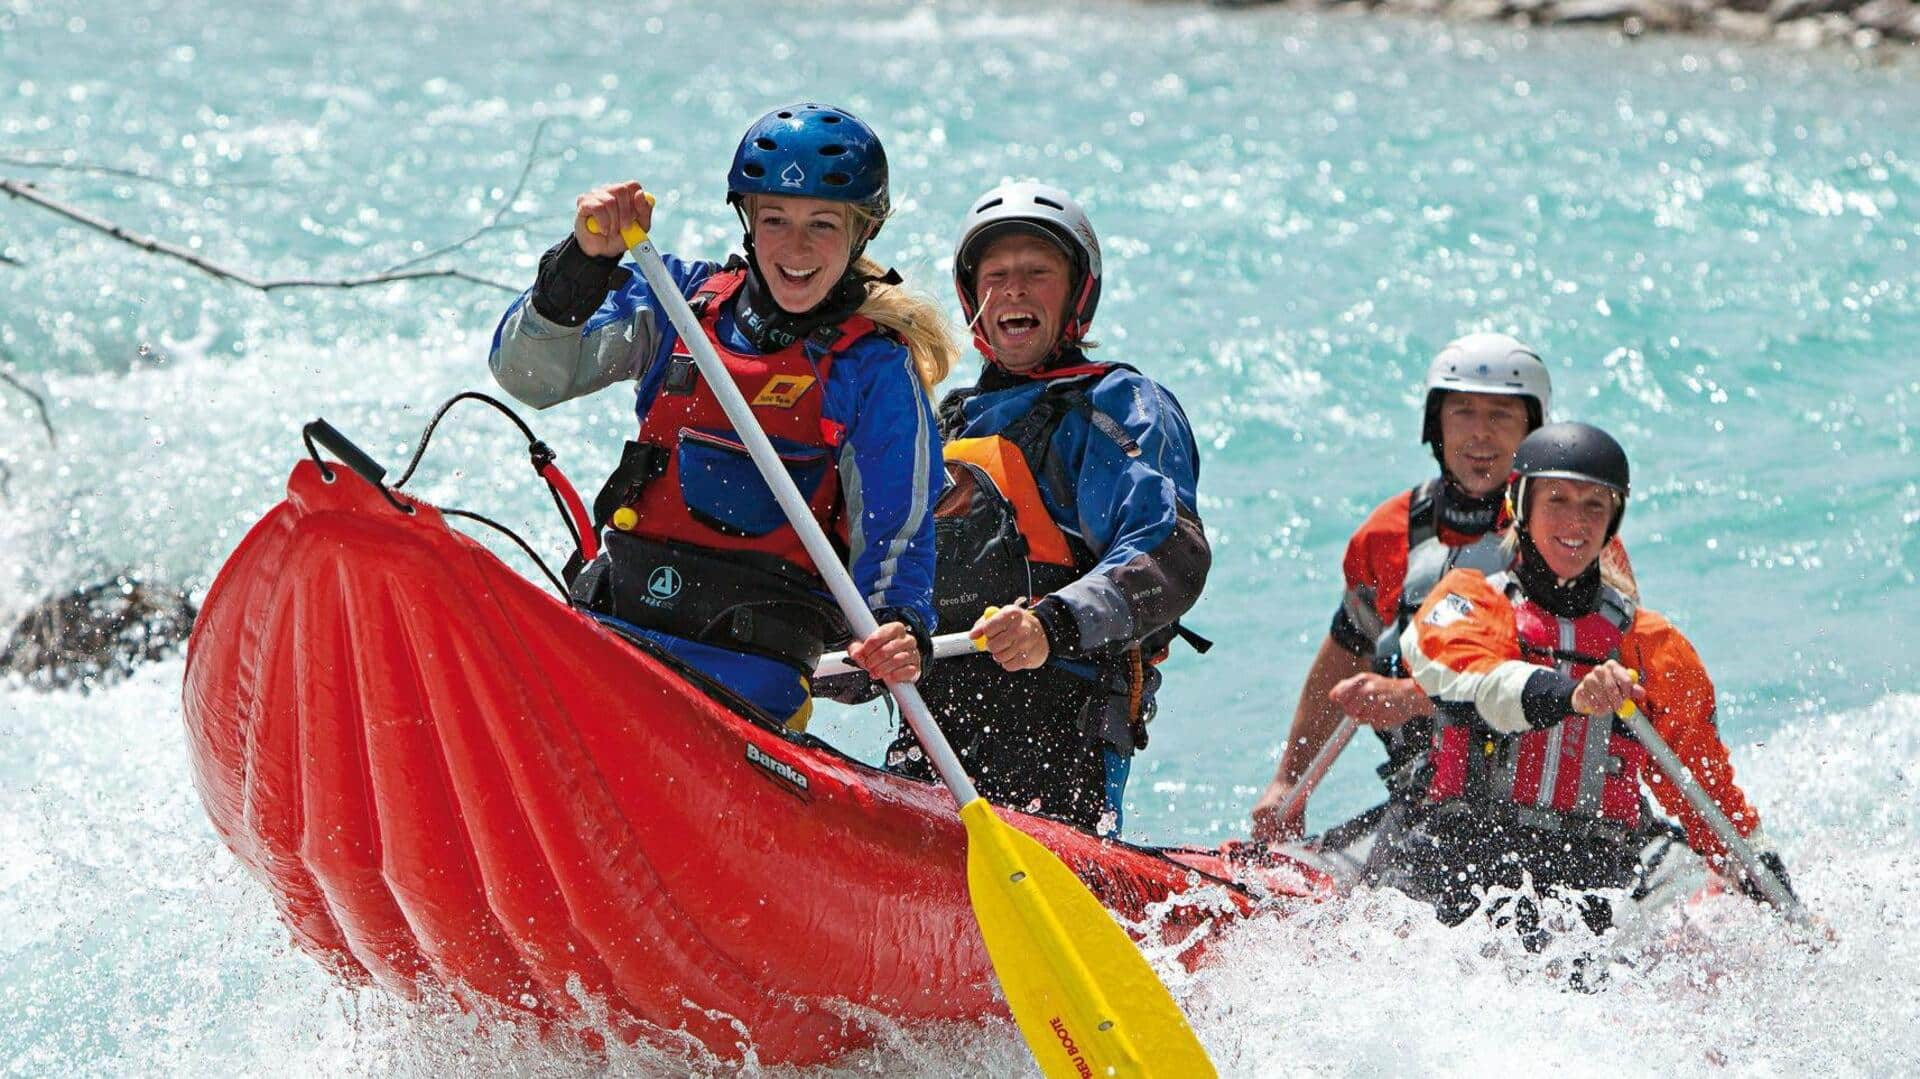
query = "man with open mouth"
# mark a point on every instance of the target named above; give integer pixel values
(1068, 539)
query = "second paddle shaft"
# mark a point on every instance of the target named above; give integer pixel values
(1670, 764)
(945, 646)
(1317, 769)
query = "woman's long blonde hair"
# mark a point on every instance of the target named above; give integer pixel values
(914, 318)
(918, 321)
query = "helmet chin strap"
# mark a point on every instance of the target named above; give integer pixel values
(980, 341)
(1569, 598)
(771, 327)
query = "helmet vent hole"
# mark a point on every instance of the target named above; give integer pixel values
(830, 118)
(765, 143)
(832, 150)
(837, 179)
(752, 170)
(1049, 203)
(786, 116)
(988, 205)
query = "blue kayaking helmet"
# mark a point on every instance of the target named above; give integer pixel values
(814, 151)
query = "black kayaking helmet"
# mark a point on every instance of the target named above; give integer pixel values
(1569, 451)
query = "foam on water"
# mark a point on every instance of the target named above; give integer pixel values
(1713, 245)
(134, 943)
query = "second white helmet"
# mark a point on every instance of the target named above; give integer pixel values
(1487, 363)
(1037, 209)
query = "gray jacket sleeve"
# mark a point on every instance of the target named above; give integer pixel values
(584, 326)
(542, 363)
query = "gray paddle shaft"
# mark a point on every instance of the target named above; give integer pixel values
(1669, 762)
(1317, 769)
(667, 293)
(945, 646)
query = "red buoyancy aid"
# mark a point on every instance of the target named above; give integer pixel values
(709, 492)
(1583, 768)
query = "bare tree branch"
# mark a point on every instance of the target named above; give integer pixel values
(30, 193)
(493, 220)
(39, 403)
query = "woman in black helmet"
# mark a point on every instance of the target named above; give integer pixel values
(1529, 775)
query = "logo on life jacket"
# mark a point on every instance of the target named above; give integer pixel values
(1451, 608)
(663, 585)
(782, 391)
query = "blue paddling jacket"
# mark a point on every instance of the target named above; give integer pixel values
(587, 324)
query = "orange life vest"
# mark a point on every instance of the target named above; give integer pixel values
(1581, 769)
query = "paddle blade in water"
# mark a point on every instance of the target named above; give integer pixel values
(1084, 997)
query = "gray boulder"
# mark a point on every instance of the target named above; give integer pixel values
(1894, 18)
(1792, 10)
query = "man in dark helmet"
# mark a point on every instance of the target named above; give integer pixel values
(1068, 539)
(1531, 779)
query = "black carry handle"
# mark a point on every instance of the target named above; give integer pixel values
(349, 454)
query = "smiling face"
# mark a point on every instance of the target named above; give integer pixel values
(1022, 284)
(1567, 521)
(802, 246)
(1479, 433)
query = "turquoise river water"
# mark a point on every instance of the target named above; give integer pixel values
(1716, 247)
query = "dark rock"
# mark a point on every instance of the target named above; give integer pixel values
(98, 633)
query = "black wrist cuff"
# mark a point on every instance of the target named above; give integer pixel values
(1063, 633)
(1547, 698)
(1774, 865)
(572, 284)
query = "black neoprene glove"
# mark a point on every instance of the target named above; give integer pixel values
(572, 284)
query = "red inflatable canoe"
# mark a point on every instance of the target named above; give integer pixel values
(451, 780)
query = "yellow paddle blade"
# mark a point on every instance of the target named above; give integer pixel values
(1083, 995)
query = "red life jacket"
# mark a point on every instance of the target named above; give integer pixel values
(1583, 769)
(708, 493)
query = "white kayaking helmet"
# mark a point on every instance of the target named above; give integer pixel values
(1038, 210)
(1487, 363)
